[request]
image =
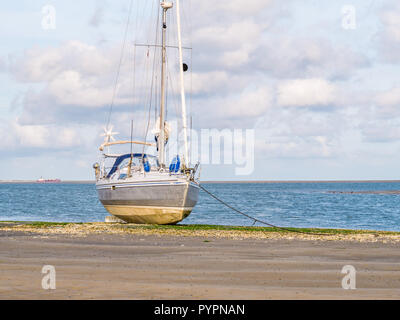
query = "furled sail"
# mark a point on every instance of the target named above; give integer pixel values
(156, 131)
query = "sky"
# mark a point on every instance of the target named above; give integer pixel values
(316, 81)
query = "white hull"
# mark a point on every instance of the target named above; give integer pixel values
(149, 202)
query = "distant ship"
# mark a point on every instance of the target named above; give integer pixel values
(41, 180)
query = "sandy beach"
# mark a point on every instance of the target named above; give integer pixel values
(150, 265)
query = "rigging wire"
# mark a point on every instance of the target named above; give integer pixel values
(135, 99)
(120, 63)
(141, 99)
(152, 82)
(175, 103)
(255, 220)
(134, 87)
(190, 109)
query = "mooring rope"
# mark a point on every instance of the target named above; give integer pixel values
(255, 219)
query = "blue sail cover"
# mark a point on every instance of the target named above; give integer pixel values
(119, 160)
(175, 164)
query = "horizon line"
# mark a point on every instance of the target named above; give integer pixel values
(223, 181)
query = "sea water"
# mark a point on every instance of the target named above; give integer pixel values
(283, 204)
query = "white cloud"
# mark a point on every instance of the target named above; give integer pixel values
(228, 36)
(389, 35)
(46, 136)
(2, 64)
(237, 6)
(235, 58)
(227, 46)
(235, 110)
(70, 88)
(305, 92)
(17, 137)
(391, 20)
(297, 147)
(43, 64)
(208, 10)
(300, 133)
(208, 82)
(32, 136)
(215, 83)
(250, 66)
(389, 98)
(74, 75)
(291, 56)
(380, 131)
(250, 104)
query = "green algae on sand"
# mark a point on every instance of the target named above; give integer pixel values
(203, 231)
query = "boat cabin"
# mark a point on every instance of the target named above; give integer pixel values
(140, 162)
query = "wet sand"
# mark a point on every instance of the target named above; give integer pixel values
(140, 266)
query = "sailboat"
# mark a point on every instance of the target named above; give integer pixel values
(143, 188)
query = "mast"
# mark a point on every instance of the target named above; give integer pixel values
(183, 100)
(161, 141)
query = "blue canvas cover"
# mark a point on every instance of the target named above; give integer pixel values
(119, 160)
(175, 164)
